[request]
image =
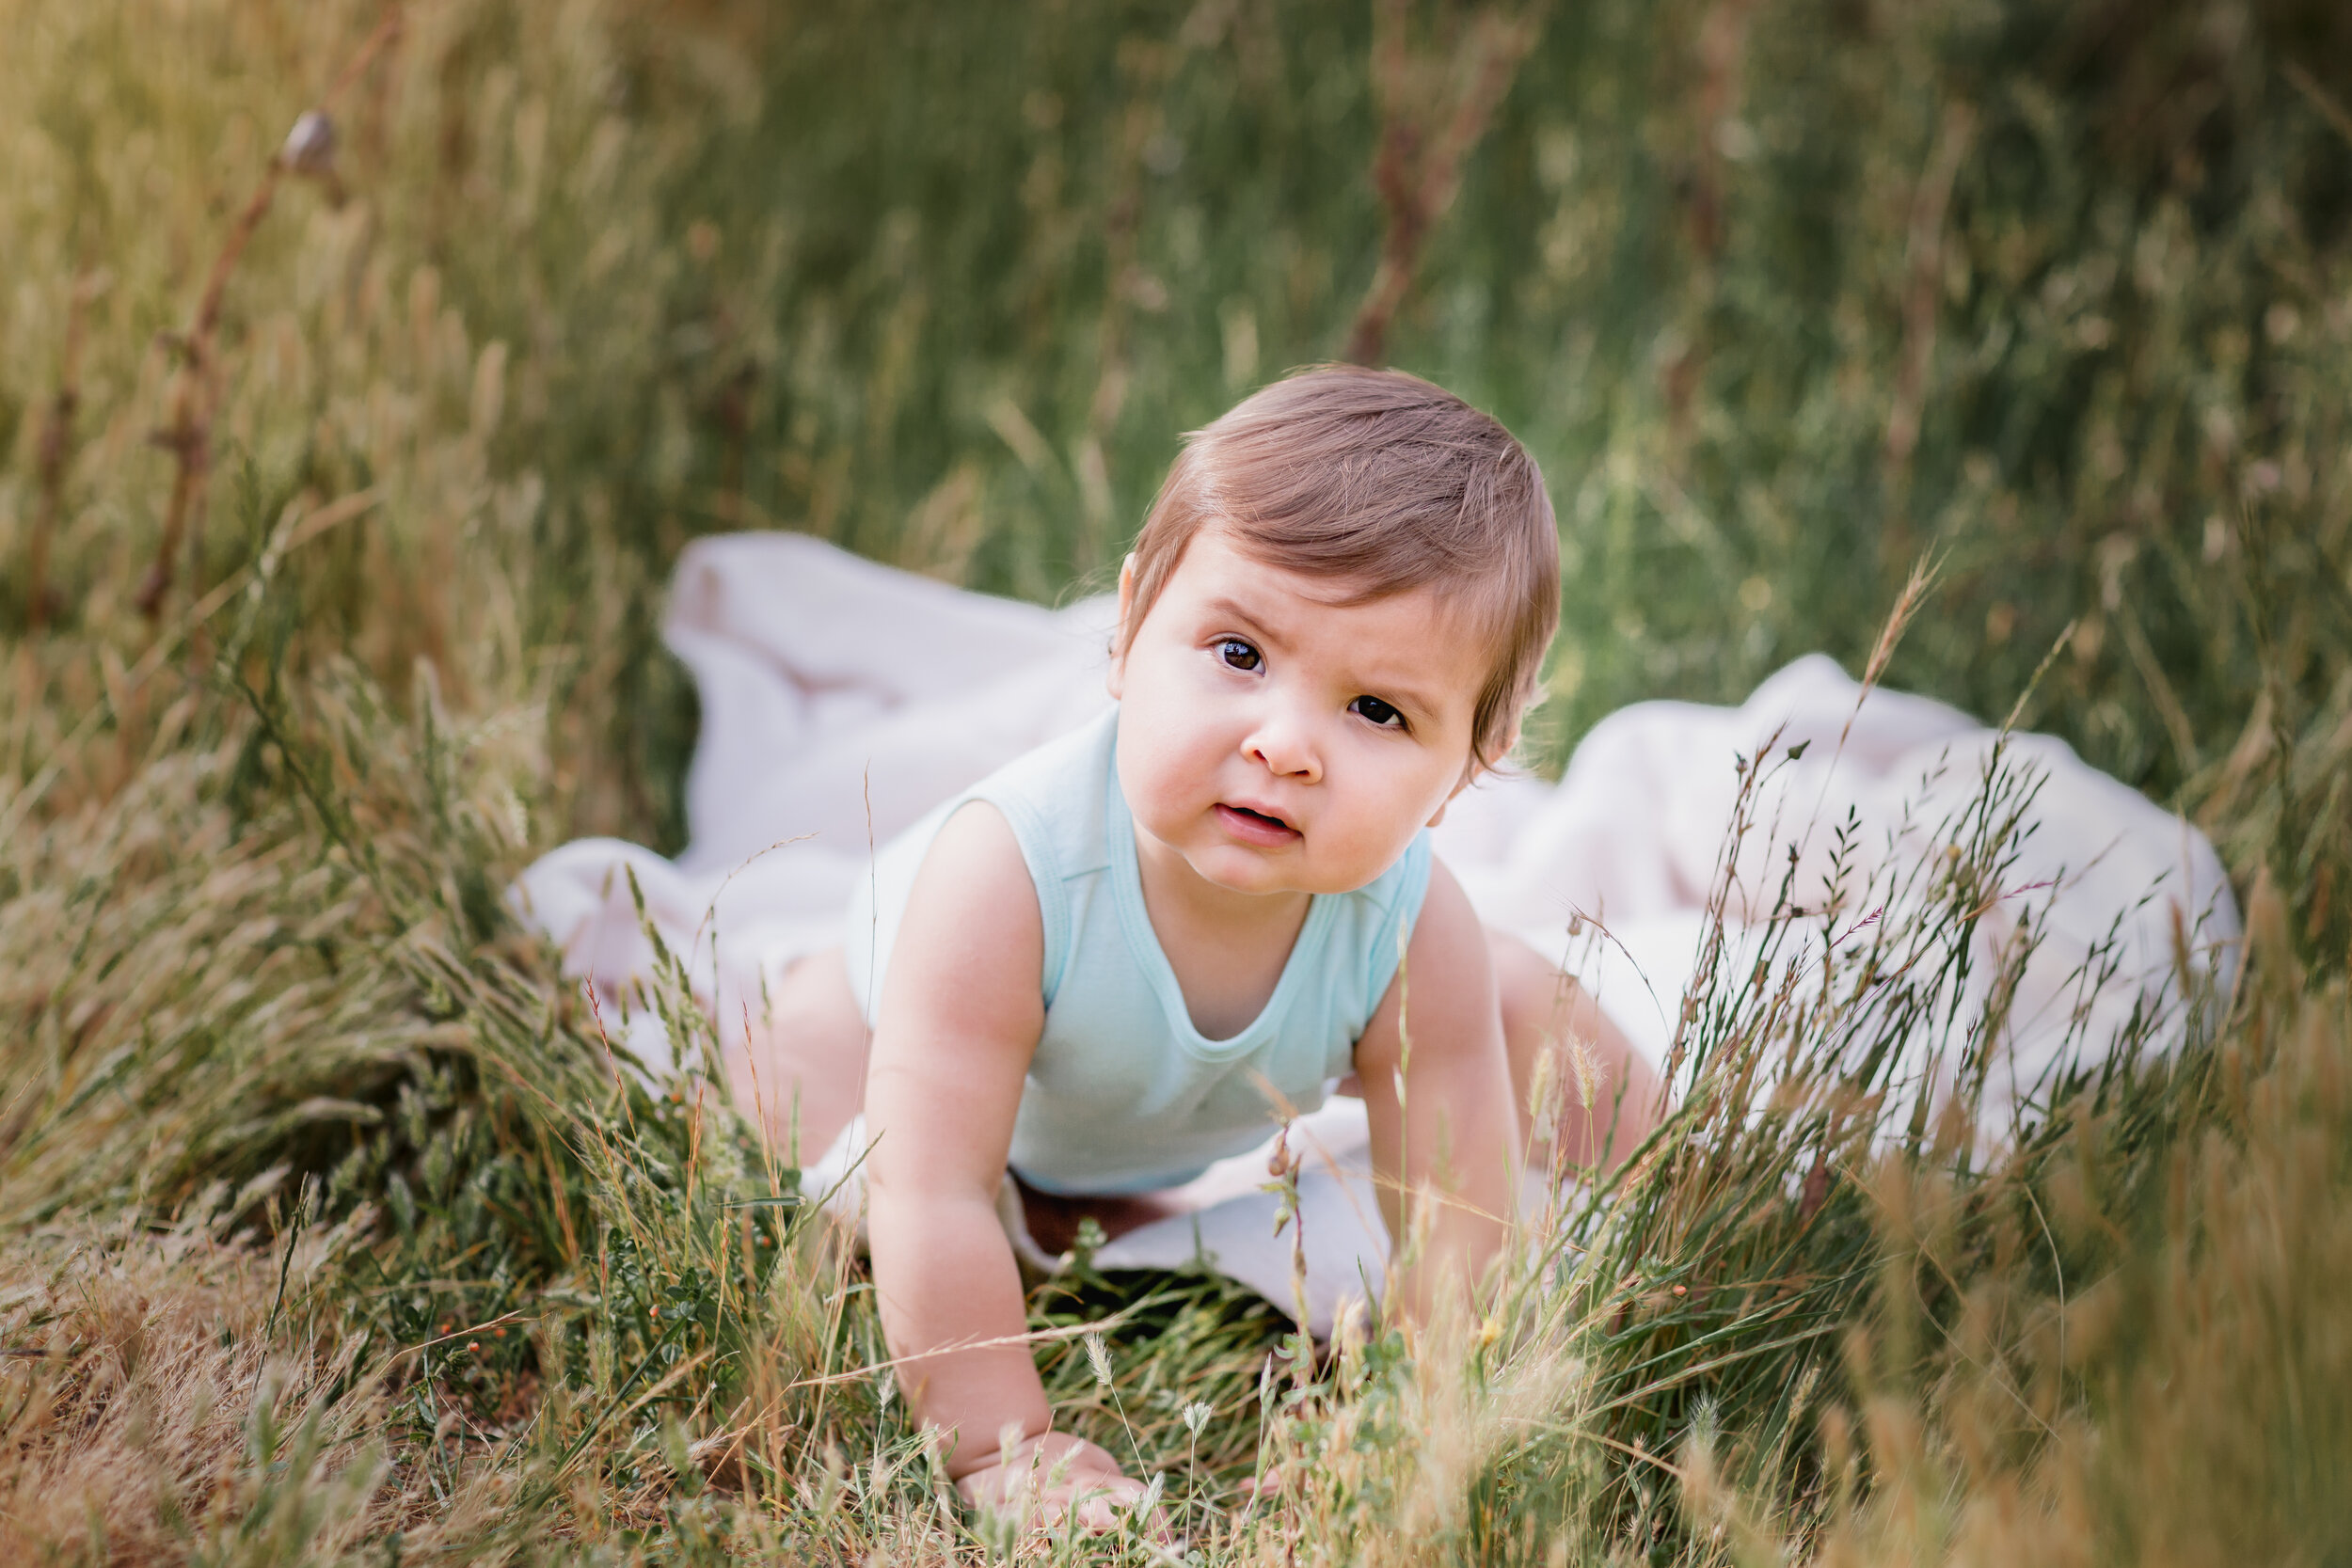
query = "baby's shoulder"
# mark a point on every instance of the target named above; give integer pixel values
(1056, 800)
(975, 865)
(990, 868)
(961, 962)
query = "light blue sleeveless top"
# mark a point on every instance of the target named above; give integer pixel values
(1123, 1094)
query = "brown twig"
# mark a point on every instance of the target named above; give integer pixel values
(56, 449)
(1723, 53)
(189, 435)
(1149, 67)
(2330, 110)
(1722, 50)
(1924, 254)
(195, 390)
(1415, 174)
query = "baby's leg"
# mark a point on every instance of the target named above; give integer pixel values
(1547, 1015)
(803, 1071)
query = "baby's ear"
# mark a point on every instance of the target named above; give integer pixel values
(1469, 776)
(1474, 769)
(1519, 727)
(1115, 678)
(1479, 767)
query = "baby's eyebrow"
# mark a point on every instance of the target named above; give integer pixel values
(1401, 691)
(1402, 694)
(1224, 609)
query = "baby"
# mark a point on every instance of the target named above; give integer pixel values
(1125, 955)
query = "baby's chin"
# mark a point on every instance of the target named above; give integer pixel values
(1240, 869)
(1216, 858)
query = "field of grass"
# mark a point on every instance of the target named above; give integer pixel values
(338, 488)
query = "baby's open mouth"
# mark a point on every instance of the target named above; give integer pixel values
(1255, 826)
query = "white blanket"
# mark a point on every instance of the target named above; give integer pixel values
(840, 700)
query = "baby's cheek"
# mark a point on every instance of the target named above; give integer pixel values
(1380, 844)
(1142, 771)
(1157, 803)
(1352, 854)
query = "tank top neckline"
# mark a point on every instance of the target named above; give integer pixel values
(1126, 888)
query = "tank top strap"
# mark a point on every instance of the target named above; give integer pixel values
(1050, 798)
(1044, 796)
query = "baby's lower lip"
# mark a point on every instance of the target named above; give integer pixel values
(1250, 828)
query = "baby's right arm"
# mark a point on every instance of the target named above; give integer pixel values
(959, 1015)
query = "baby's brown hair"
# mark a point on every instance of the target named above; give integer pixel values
(1381, 479)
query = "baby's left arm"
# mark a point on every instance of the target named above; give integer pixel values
(1436, 1085)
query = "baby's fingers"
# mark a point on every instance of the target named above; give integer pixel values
(1098, 1502)
(1098, 1515)
(1099, 1498)
(1258, 1489)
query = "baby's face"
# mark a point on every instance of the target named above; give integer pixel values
(1278, 741)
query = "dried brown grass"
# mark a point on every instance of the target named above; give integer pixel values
(149, 1401)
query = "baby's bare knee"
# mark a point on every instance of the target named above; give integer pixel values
(816, 989)
(801, 1065)
(1531, 988)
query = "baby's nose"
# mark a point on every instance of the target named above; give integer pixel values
(1286, 750)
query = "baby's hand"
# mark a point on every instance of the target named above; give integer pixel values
(1041, 1478)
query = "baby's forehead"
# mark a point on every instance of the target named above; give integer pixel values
(1438, 613)
(1454, 606)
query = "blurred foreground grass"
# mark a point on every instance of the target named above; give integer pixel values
(333, 1234)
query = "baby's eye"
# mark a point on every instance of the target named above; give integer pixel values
(1239, 655)
(1378, 711)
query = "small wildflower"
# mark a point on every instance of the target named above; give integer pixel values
(1196, 1416)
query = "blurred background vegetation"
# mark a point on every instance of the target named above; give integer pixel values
(327, 609)
(1783, 296)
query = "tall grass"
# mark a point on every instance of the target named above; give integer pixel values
(336, 1230)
